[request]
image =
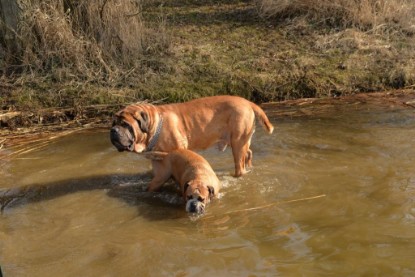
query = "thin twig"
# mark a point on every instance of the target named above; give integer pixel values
(277, 203)
(40, 143)
(35, 158)
(134, 14)
(272, 204)
(30, 149)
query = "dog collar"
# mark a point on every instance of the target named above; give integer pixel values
(154, 139)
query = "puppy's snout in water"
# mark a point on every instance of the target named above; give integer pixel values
(195, 206)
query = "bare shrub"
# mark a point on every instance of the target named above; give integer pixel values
(98, 41)
(364, 14)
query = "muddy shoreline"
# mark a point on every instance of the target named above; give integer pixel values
(23, 127)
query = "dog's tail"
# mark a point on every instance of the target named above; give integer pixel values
(155, 155)
(262, 118)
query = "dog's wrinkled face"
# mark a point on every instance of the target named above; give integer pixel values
(197, 196)
(130, 130)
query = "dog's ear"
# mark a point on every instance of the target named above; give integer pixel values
(142, 121)
(211, 191)
(117, 118)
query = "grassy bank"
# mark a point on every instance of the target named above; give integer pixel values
(83, 53)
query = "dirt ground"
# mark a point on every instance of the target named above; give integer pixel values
(24, 128)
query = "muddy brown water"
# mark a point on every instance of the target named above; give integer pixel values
(332, 194)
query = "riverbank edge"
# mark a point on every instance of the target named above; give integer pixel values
(46, 124)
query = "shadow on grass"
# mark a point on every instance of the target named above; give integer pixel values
(130, 188)
(207, 13)
(190, 3)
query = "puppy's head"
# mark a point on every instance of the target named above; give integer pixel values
(197, 196)
(130, 129)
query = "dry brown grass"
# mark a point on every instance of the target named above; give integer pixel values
(364, 14)
(78, 53)
(371, 61)
(95, 41)
(366, 45)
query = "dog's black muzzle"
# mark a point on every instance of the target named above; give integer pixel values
(122, 138)
(196, 207)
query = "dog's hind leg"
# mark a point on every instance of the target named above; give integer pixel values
(240, 138)
(248, 158)
(249, 155)
(239, 152)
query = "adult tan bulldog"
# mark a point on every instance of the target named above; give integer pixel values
(197, 124)
(197, 180)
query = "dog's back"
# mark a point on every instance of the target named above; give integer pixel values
(186, 165)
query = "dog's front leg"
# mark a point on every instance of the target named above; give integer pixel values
(160, 175)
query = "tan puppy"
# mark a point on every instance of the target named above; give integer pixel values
(198, 181)
(197, 124)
